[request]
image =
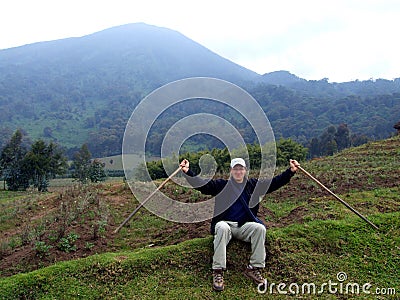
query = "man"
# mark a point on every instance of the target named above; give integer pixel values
(235, 214)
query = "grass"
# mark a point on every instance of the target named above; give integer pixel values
(6, 196)
(115, 162)
(311, 239)
(13, 204)
(312, 253)
(326, 207)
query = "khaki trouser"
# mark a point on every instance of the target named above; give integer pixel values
(252, 232)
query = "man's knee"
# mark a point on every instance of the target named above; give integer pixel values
(222, 228)
(260, 229)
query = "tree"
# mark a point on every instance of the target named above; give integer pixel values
(81, 164)
(342, 137)
(44, 162)
(12, 164)
(85, 168)
(96, 171)
(328, 145)
(5, 136)
(47, 132)
(359, 139)
(288, 149)
(314, 147)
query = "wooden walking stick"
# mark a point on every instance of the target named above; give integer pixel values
(147, 199)
(334, 195)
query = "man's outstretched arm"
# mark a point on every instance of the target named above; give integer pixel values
(207, 187)
(284, 178)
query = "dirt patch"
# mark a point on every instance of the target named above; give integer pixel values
(296, 215)
(182, 232)
(61, 227)
(88, 212)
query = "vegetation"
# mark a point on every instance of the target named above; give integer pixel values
(12, 166)
(81, 164)
(311, 238)
(287, 149)
(44, 162)
(86, 94)
(84, 168)
(220, 159)
(333, 140)
(97, 172)
(19, 166)
(60, 245)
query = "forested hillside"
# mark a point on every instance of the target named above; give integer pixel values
(83, 90)
(306, 114)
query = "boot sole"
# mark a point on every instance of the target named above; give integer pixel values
(218, 289)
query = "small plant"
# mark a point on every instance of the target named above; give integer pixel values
(99, 229)
(25, 235)
(53, 237)
(42, 249)
(3, 249)
(67, 244)
(89, 246)
(194, 197)
(14, 243)
(102, 228)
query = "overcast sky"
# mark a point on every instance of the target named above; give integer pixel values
(341, 40)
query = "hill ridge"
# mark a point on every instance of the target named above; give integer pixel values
(83, 89)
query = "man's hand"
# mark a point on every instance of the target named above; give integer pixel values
(184, 165)
(293, 165)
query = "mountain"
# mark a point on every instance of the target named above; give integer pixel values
(128, 54)
(318, 88)
(84, 89)
(281, 78)
(60, 85)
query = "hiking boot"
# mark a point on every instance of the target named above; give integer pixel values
(254, 274)
(218, 280)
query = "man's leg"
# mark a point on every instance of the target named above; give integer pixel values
(222, 237)
(255, 234)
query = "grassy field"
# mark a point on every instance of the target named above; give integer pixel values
(314, 253)
(312, 241)
(115, 162)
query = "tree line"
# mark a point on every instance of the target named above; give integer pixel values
(22, 166)
(218, 160)
(333, 140)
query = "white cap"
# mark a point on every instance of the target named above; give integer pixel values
(238, 161)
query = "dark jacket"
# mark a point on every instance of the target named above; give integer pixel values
(248, 193)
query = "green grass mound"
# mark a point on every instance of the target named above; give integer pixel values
(310, 253)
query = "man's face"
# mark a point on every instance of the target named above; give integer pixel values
(238, 172)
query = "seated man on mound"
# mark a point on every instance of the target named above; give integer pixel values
(235, 217)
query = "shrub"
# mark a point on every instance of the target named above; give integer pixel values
(42, 249)
(67, 244)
